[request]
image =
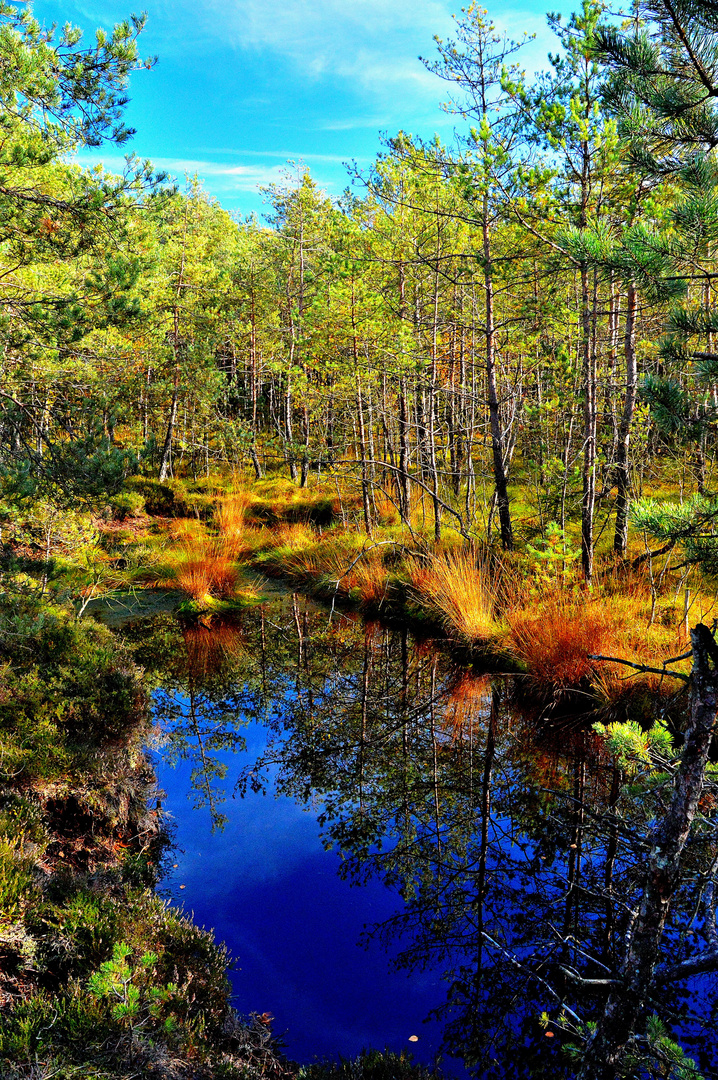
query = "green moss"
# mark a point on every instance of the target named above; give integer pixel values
(72, 686)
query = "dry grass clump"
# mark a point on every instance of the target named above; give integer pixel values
(205, 573)
(387, 511)
(371, 579)
(201, 566)
(287, 549)
(186, 530)
(459, 589)
(293, 535)
(366, 580)
(555, 638)
(328, 563)
(231, 518)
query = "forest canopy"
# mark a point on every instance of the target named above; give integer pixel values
(515, 329)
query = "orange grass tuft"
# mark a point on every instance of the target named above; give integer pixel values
(387, 511)
(230, 516)
(203, 567)
(207, 573)
(294, 535)
(371, 578)
(459, 589)
(556, 639)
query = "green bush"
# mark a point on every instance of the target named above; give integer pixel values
(127, 504)
(175, 499)
(65, 686)
(16, 884)
(122, 963)
(159, 498)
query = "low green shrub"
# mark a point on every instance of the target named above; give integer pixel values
(127, 504)
(158, 497)
(63, 683)
(16, 882)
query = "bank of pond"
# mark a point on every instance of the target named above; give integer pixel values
(395, 851)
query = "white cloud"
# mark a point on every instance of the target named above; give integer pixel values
(371, 44)
(316, 33)
(374, 44)
(354, 123)
(227, 177)
(285, 155)
(224, 179)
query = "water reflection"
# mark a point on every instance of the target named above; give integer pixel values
(516, 848)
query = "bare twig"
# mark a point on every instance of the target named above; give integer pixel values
(645, 667)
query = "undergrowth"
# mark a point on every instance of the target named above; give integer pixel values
(99, 977)
(532, 608)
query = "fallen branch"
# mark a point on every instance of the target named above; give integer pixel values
(698, 965)
(646, 667)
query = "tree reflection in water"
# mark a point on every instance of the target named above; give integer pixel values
(517, 848)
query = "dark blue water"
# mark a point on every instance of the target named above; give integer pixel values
(273, 894)
(457, 809)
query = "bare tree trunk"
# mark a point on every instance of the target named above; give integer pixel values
(588, 499)
(362, 450)
(404, 498)
(609, 398)
(254, 388)
(623, 497)
(288, 413)
(497, 440)
(166, 459)
(403, 476)
(432, 402)
(304, 476)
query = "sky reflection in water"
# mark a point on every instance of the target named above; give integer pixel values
(269, 890)
(493, 824)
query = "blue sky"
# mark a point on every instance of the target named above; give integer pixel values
(243, 86)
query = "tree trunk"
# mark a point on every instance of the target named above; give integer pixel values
(433, 467)
(497, 441)
(588, 499)
(366, 504)
(166, 459)
(620, 541)
(404, 498)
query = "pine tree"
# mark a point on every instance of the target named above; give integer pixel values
(66, 267)
(664, 91)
